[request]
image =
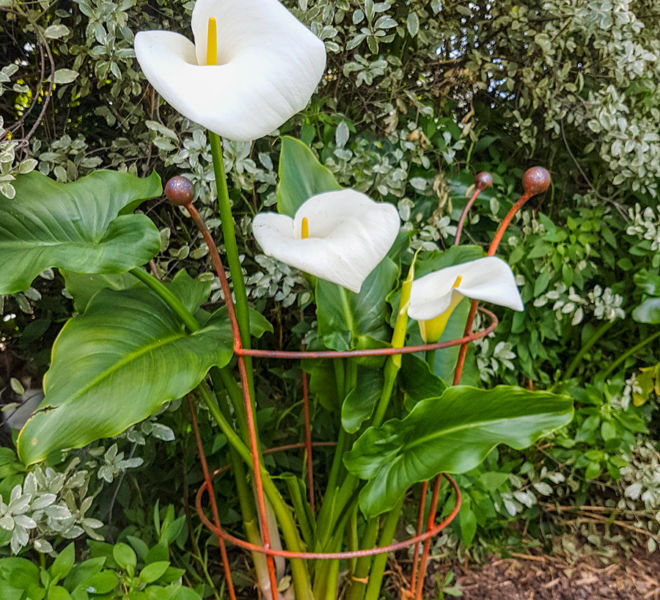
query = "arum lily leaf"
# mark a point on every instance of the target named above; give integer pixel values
(344, 317)
(450, 434)
(323, 382)
(417, 381)
(84, 226)
(301, 176)
(359, 405)
(82, 286)
(115, 365)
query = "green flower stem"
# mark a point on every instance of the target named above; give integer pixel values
(285, 518)
(223, 378)
(604, 328)
(391, 371)
(231, 247)
(630, 352)
(346, 378)
(361, 572)
(380, 561)
(346, 308)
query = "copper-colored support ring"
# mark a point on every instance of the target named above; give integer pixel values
(219, 532)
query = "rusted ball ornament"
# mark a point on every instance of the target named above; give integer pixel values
(180, 190)
(483, 180)
(536, 180)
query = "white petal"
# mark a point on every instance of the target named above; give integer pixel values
(270, 64)
(489, 279)
(349, 235)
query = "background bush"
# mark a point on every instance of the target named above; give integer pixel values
(418, 96)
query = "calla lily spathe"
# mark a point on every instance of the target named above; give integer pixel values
(338, 236)
(268, 66)
(434, 296)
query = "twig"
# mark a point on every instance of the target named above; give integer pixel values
(616, 205)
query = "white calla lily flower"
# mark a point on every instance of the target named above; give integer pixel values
(434, 297)
(338, 236)
(245, 78)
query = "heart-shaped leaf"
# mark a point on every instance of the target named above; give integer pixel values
(117, 364)
(84, 226)
(450, 434)
(301, 176)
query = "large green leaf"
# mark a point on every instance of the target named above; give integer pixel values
(450, 434)
(118, 363)
(84, 226)
(347, 319)
(82, 286)
(301, 176)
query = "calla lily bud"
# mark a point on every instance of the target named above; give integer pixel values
(180, 190)
(483, 180)
(536, 181)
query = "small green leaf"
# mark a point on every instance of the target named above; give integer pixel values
(468, 523)
(301, 176)
(125, 557)
(103, 582)
(83, 572)
(63, 563)
(55, 32)
(63, 76)
(57, 592)
(154, 571)
(412, 22)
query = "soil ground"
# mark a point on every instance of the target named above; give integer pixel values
(530, 577)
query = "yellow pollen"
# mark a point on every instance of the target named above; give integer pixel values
(212, 43)
(457, 282)
(304, 234)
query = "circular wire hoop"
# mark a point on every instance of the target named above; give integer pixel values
(220, 532)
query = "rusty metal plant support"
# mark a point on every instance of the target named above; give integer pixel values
(535, 181)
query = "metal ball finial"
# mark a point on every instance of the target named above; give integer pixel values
(483, 180)
(536, 180)
(180, 190)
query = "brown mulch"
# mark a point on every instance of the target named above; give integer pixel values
(530, 577)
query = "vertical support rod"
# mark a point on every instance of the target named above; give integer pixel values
(242, 369)
(420, 526)
(491, 251)
(214, 507)
(308, 442)
(427, 543)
